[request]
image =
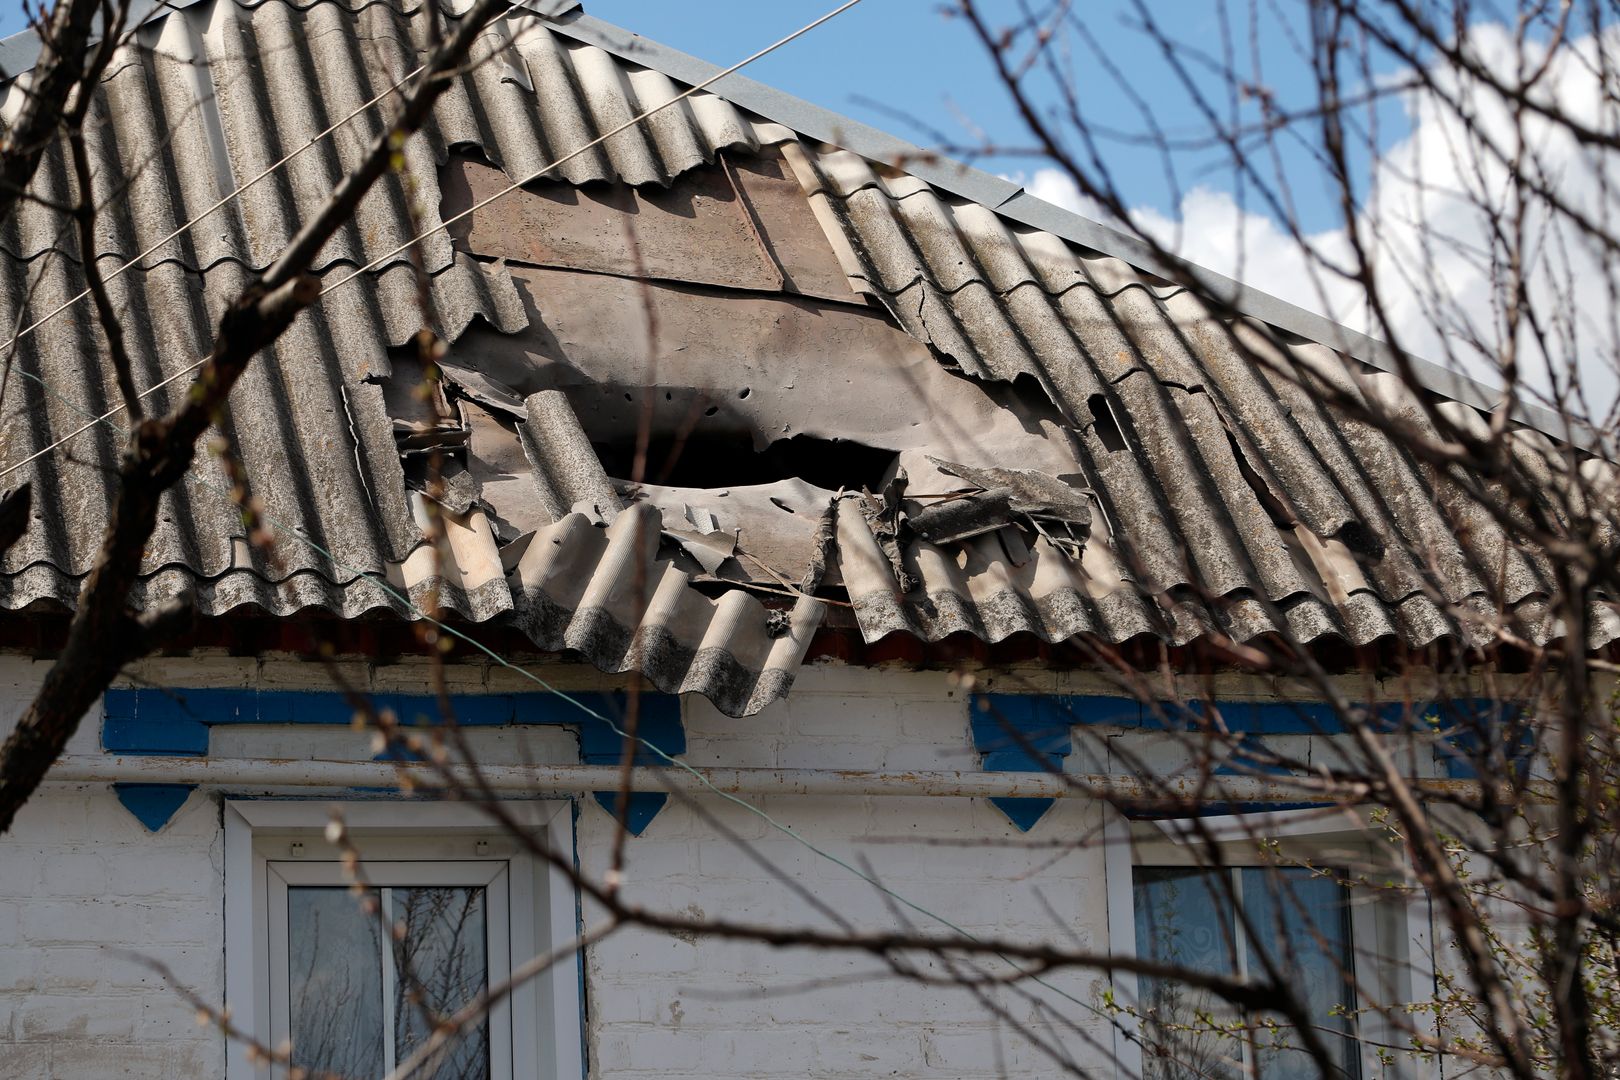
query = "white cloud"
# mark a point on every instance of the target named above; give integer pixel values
(1437, 199)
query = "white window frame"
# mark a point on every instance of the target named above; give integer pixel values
(270, 844)
(489, 875)
(1387, 927)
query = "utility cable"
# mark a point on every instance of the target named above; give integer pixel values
(405, 601)
(373, 264)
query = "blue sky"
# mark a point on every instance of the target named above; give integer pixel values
(935, 82)
(916, 61)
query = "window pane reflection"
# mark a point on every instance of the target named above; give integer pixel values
(1185, 917)
(345, 989)
(443, 965)
(1312, 911)
(335, 983)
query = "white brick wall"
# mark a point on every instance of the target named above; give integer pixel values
(83, 887)
(669, 1008)
(81, 881)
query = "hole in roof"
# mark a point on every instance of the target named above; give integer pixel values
(1103, 422)
(717, 458)
(1361, 540)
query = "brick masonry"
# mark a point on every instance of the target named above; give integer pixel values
(85, 891)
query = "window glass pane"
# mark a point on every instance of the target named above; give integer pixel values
(334, 972)
(1301, 920)
(1184, 918)
(442, 964)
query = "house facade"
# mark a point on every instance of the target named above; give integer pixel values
(848, 479)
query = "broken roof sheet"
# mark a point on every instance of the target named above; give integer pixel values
(849, 348)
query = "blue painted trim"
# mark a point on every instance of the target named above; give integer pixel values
(1027, 733)
(1050, 713)
(642, 808)
(1032, 733)
(599, 744)
(153, 804)
(134, 712)
(125, 731)
(1267, 717)
(176, 722)
(1468, 726)
(1023, 813)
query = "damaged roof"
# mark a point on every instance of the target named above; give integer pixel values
(725, 371)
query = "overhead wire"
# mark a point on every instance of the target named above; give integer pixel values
(175, 234)
(439, 625)
(223, 201)
(447, 222)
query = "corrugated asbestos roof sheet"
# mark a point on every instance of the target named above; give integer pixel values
(1224, 498)
(1188, 426)
(220, 91)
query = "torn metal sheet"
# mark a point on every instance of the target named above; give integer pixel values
(709, 550)
(774, 525)
(465, 381)
(771, 367)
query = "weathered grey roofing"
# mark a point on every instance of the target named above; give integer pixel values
(218, 92)
(1197, 423)
(1011, 201)
(1224, 498)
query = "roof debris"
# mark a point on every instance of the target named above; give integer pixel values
(885, 516)
(790, 432)
(1047, 505)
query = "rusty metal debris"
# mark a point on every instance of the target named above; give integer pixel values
(963, 516)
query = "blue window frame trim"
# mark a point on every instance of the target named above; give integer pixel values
(173, 721)
(1031, 732)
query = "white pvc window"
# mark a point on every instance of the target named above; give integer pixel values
(358, 977)
(1187, 917)
(351, 974)
(1166, 904)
